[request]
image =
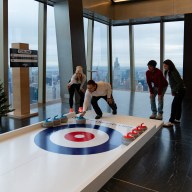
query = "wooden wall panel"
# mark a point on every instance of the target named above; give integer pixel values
(141, 9)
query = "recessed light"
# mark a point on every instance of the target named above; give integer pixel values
(117, 1)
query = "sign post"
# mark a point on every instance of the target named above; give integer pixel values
(21, 91)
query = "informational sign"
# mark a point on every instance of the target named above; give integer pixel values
(23, 58)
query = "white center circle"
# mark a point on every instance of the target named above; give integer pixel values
(58, 137)
(79, 136)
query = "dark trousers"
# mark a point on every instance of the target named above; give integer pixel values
(72, 89)
(176, 107)
(94, 103)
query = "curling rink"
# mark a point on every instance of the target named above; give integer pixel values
(69, 157)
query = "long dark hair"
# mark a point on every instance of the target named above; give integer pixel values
(171, 66)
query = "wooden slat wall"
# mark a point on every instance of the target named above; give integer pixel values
(141, 9)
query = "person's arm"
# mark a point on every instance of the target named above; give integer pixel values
(149, 82)
(160, 82)
(178, 82)
(73, 80)
(83, 81)
(109, 91)
(86, 100)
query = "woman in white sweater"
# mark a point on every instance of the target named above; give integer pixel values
(76, 83)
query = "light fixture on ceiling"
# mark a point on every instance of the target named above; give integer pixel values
(117, 1)
(120, 1)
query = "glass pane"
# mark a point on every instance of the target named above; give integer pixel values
(174, 35)
(147, 47)
(121, 58)
(52, 70)
(23, 28)
(100, 58)
(85, 21)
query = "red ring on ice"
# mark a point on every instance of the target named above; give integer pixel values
(79, 136)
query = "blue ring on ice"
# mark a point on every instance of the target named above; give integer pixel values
(42, 139)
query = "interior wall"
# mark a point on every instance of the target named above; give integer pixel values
(152, 8)
(102, 7)
(187, 57)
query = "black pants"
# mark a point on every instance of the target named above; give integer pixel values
(72, 89)
(96, 107)
(176, 107)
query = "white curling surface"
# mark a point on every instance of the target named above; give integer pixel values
(58, 138)
(26, 167)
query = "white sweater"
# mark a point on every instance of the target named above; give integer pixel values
(74, 80)
(103, 89)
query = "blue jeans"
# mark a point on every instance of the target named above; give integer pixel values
(160, 101)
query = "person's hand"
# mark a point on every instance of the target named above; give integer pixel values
(82, 114)
(68, 86)
(82, 90)
(109, 100)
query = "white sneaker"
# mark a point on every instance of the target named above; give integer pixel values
(153, 116)
(168, 124)
(159, 117)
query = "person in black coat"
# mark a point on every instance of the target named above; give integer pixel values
(177, 89)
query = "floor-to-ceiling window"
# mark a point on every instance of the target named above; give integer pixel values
(147, 47)
(85, 24)
(52, 69)
(174, 35)
(121, 58)
(23, 28)
(100, 57)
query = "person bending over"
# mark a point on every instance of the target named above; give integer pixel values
(178, 90)
(96, 91)
(157, 86)
(76, 83)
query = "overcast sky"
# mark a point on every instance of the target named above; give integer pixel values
(23, 27)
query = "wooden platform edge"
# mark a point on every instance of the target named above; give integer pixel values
(101, 179)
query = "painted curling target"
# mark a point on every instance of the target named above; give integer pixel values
(78, 139)
(79, 136)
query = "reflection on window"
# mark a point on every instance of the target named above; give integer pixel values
(85, 22)
(100, 58)
(147, 47)
(174, 34)
(52, 70)
(121, 58)
(23, 31)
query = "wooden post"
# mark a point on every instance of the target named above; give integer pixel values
(21, 92)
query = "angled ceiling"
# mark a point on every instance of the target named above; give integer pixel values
(134, 11)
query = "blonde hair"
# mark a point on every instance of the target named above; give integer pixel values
(79, 69)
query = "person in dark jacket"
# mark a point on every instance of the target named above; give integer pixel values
(177, 90)
(157, 86)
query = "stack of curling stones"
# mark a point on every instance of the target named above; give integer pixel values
(133, 134)
(80, 120)
(64, 119)
(56, 120)
(50, 122)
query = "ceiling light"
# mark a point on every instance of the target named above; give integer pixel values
(118, 1)
(123, 1)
